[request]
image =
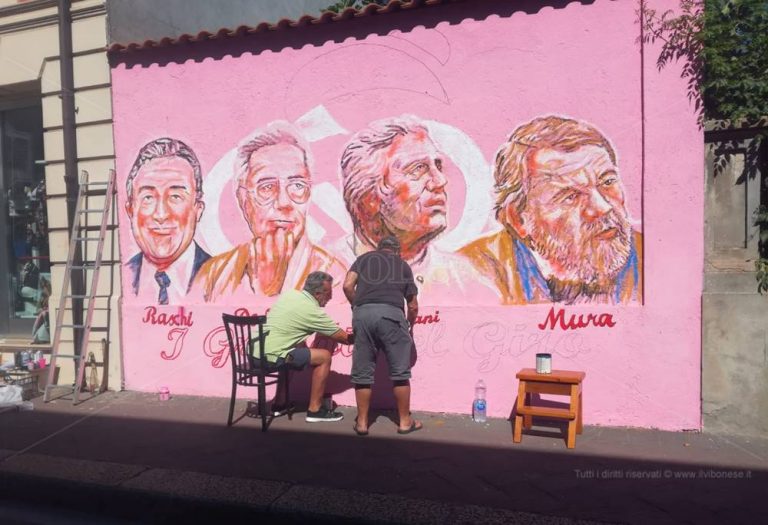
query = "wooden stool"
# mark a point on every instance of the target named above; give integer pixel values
(559, 382)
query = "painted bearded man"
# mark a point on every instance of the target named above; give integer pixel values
(567, 236)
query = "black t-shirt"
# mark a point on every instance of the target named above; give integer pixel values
(383, 278)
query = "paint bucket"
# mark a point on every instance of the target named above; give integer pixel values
(544, 363)
(165, 393)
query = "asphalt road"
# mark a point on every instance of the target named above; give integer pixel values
(40, 514)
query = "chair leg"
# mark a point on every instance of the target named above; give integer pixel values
(522, 395)
(528, 419)
(580, 424)
(232, 404)
(571, 439)
(574, 420)
(262, 404)
(518, 432)
(287, 383)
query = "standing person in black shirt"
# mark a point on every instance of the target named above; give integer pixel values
(377, 286)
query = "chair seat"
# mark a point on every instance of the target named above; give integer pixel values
(255, 367)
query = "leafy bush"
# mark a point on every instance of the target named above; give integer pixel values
(341, 5)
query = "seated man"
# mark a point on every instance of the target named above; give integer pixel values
(292, 319)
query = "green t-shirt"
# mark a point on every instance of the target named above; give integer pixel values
(292, 319)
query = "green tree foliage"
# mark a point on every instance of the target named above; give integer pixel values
(341, 5)
(723, 45)
(735, 81)
(682, 40)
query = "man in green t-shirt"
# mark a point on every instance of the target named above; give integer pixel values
(290, 321)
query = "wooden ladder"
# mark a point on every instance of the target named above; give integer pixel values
(79, 238)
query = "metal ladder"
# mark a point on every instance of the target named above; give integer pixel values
(78, 239)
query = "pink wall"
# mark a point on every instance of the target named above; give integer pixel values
(473, 80)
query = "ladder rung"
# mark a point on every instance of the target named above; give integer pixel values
(87, 239)
(99, 308)
(104, 262)
(95, 228)
(93, 328)
(66, 356)
(88, 296)
(96, 184)
(85, 267)
(92, 210)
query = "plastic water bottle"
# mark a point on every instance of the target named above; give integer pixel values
(479, 407)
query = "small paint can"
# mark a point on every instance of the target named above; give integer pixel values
(165, 393)
(544, 363)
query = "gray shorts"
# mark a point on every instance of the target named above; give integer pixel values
(380, 327)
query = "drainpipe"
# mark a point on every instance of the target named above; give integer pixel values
(70, 151)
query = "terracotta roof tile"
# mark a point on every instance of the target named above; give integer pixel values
(285, 23)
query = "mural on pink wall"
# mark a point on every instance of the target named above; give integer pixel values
(164, 202)
(565, 234)
(510, 166)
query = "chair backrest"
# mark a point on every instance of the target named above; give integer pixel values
(239, 330)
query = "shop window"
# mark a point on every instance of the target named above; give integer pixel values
(25, 266)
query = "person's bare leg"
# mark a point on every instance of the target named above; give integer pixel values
(321, 361)
(363, 400)
(402, 390)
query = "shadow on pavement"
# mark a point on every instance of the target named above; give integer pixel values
(123, 442)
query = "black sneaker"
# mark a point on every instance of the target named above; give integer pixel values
(323, 415)
(281, 410)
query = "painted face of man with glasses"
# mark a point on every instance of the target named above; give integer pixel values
(274, 194)
(274, 197)
(273, 189)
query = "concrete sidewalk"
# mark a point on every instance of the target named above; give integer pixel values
(130, 456)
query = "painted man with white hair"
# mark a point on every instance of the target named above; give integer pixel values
(274, 185)
(394, 185)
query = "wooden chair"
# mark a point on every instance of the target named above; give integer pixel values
(248, 370)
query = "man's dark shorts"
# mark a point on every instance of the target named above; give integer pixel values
(380, 327)
(298, 358)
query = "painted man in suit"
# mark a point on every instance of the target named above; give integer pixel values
(164, 204)
(567, 236)
(273, 189)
